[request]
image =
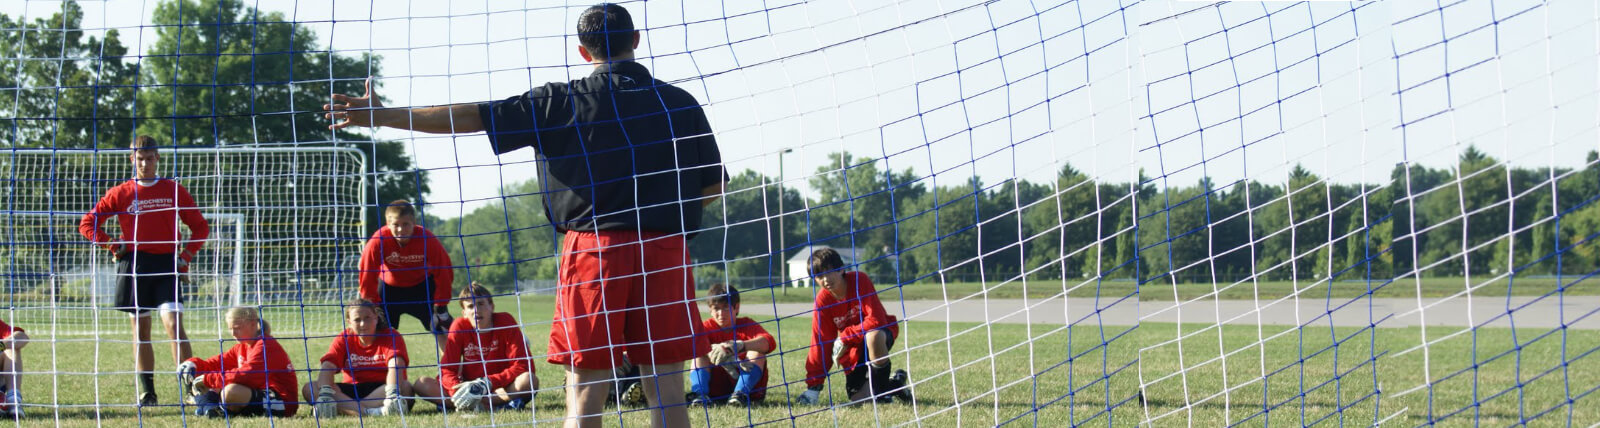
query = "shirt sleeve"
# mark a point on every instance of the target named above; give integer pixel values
(109, 205)
(253, 372)
(450, 361)
(6, 330)
(199, 229)
(399, 350)
(516, 352)
(336, 352)
(444, 275)
(526, 120)
(818, 359)
(754, 331)
(370, 263)
(209, 365)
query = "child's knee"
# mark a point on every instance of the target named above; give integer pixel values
(877, 337)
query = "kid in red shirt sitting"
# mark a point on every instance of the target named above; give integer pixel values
(485, 361)
(13, 339)
(851, 320)
(253, 378)
(373, 358)
(739, 346)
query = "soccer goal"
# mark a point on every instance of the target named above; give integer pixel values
(280, 220)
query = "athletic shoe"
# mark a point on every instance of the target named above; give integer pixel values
(12, 406)
(633, 394)
(738, 400)
(700, 400)
(208, 405)
(900, 381)
(147, 399)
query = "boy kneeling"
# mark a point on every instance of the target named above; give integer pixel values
(372, 357)
(851, 320)
(485, 361)
(739, 346)
(253, 378)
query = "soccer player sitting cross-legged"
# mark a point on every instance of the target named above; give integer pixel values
(735, 368)
(372, 357)
(485, 361)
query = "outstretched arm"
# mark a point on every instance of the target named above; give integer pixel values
(368, 111)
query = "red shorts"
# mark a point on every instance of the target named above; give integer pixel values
(618, 293)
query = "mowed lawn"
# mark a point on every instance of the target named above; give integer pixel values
(987, 374)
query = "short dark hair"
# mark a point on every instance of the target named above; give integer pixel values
(606, 30)
(400, 208)
(720, 292)
(143, 142)
(474, 291)
(825, 259)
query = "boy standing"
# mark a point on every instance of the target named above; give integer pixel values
(148, 209)
(850, 319)
(405, 269)
(739, 346)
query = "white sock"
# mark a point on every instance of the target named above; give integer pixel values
(373, 411)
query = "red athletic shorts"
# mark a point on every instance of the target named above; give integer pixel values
(624, 291)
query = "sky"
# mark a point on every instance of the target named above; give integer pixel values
(1010, 88)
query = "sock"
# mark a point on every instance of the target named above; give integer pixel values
(372, 411)
(147, 382)
(879, 376)
(748, 377)
(700, 381)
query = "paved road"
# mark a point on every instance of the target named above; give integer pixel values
(1524, 312)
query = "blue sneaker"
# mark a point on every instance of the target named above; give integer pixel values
(208, 405)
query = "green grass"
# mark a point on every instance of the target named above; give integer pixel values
(977, 374)
(1162, 291)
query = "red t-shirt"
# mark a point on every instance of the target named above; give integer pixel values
(847, 319)
(148, 216)
(257, 364)
(6, 330)
(370, 363)
(743, 330)
(385, 260)
(499, 353)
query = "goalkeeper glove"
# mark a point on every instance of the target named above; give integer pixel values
(327, 407)
(469, 395)
(441, 318)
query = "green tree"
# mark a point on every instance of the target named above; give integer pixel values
(222, 74)
(64, 89)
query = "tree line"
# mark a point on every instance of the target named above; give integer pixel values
(1480, 217)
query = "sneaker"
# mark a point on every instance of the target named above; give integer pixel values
(738, 400)
(392, 407)
(903, 387)
(514, 404)
(633, 395)
(700, 400)
(147, 399)
(11, 408)
(208, 405)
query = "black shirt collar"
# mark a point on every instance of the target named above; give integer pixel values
(627, 68)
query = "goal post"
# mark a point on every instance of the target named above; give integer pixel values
(283, 221)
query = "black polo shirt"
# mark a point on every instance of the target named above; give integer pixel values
(617, 150)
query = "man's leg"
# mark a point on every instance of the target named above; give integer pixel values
(173, 321)
(144, 355)
(586, 396)
(663, 384)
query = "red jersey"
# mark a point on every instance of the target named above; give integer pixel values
(148, 216)
(6, 330)
(743, 330)
(257, 364)
(385, 260)
(499, 353)
(370, 363)
(847, 319)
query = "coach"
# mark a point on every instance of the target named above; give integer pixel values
(628, 163)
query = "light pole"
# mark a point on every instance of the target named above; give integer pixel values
(783, 248)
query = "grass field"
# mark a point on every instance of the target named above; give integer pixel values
(987, 374)
(1265, 290)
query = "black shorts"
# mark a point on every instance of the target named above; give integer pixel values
(262, 403)
(858, 376)
(145, 281)
(416, 300)
(359, 391)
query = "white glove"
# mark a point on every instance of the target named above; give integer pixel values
(326, 406)
(186, 376)
(393, 404)
(441, 318)
(809, 397)
(839, 349)
(469, 395)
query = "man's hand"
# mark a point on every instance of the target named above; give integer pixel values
(326, 406)
(340, 109)
(809, 397)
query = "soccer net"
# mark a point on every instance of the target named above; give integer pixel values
(1097, 213)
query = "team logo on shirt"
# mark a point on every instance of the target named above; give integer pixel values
(357, 360)
(476, 352)
(849, 318)
(396, 259)
(140, 205)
